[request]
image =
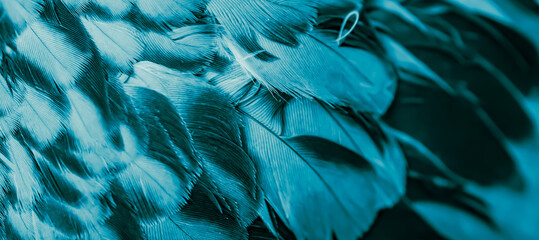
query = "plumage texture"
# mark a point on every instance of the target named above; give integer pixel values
(265, 119)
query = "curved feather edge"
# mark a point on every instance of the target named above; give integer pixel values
(314, 166)
(169, 166)
(307, 69)
(215, 128)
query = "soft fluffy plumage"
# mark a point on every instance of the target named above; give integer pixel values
(260, 119)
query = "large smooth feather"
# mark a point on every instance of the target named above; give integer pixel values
(421, 89)
(491, 88)
(314, 69)
(405, 222)
(444, 25)
(454, 223)
(487, 7)
(291, 162)
(470, 142)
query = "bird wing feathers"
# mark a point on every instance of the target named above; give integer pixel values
(236, 119)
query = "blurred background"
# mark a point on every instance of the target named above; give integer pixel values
(516, 212)
(520, 213)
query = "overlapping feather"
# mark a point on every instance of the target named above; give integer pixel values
(293, 117)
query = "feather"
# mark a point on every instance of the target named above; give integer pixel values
(379, 129)
(23, 177)
(51, 50)
(406, 224)
(76, 6)
(184, 48)
(40, 117)
(302, 118)
(214, 126)
(423, 189)
(249, 95)
(481, 63)
(259, 231)
(122, 222)
(296, 159)
(276, 20)
(405, 61)
(363, 136)
(55, 184)
(450, 27)
(422, 161)
(487, 7)
(299, 183)
(158, 185)
(116, 41)
(491, 88)
(430, 183)
(59, 217)
(338, 7)
(376, 70)
(153, 189)
(51, 219)
(118, 8)
(421, 102)
(454, 223)
(315, 70)
(399, 12)
(85, 121)
(199, 219)
(21, 12)
(421, 89)
(17, 227)
(10, 98)
(171, 12)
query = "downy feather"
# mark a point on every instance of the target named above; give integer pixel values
(48, 48)
(10, 96)
(185, 48)
(171, 12)
(40, 116)
(117, 42)
(199, 219)
(173, 167)
(23, 176)
(21, 12)
(17, 226)
(118, 8)
(214, 126)
(276, 20)
(153, 189)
